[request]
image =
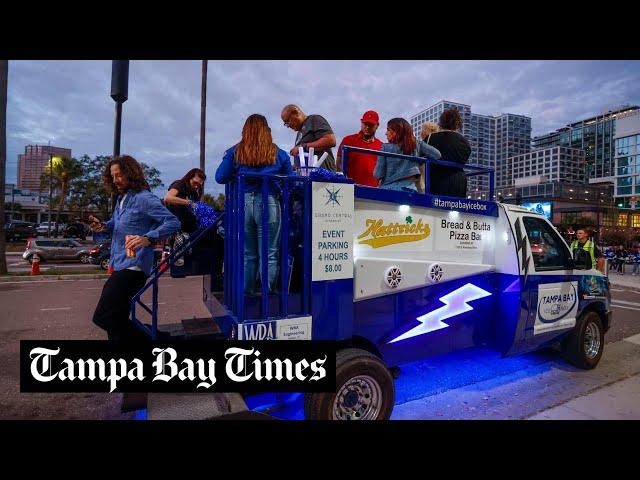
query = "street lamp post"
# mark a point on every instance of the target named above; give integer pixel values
(119, 93)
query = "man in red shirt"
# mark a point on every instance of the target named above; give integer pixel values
(360, 165)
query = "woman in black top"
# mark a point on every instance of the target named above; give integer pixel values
(182, 195)
(454, 147)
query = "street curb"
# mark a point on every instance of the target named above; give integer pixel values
(42, 278)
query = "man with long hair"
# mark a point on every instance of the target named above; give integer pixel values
(400, 173)
(139, 219)
(313, 132)
(256, 153)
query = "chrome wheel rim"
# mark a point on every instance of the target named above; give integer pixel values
(591, 340)
(358, 399)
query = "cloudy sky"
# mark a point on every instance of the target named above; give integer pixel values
(67, 103)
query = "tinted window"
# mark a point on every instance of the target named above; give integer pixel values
(45, 243)
(547, 249)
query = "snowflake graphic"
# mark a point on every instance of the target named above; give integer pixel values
(333, 196)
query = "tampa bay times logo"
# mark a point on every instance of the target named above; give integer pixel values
(333, 196)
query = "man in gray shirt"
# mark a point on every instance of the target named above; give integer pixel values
(313, 132)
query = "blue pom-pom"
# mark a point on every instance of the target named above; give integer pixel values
(205, 214)
(323, 175)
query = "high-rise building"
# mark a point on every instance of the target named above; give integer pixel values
(493, 139)
(33, 163)
(594, 135)
(627, 160)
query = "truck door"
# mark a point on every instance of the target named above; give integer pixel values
(548, 299)
(552, 287)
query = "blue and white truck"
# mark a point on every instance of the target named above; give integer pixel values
(395, 277)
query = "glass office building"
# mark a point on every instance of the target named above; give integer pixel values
(594, 135)
(493, 139)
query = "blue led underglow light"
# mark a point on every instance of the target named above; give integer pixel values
(455, 303)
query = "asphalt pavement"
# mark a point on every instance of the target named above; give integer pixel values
(473, 384)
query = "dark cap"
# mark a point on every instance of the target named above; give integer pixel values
(371, 117)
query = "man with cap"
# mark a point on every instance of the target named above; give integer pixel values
(313, 132)
(359, 166)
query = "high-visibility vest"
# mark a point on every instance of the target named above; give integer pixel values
(588, 246)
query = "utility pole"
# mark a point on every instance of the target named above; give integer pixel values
(203, 116)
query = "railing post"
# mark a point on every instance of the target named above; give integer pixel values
(345, 151)
(154, 309)
(240, 256)
(284, 251)
(228, 245)
(427, 176)
(264, 249)
(306, 305)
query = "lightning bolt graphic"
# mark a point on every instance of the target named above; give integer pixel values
(455, 303)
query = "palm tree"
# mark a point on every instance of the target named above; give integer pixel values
(4, 74)
(64, 170)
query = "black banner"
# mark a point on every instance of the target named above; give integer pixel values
(193, 366)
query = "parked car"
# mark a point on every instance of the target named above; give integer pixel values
(49, 249)
(43, 228)
(19, 230)
(100, 255)
(75, 230)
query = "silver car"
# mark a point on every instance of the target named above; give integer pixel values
(51, 249)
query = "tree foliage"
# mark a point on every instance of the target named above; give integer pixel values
(217, 203)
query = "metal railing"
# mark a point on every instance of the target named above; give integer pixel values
(281, 186)
(160, 270)
(428, 162)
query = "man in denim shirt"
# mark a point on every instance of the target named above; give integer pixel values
(141, 216)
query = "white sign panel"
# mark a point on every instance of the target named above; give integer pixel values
(384, 230)
(557, 307)
(298, 328)
(332, 231)
(460, 233)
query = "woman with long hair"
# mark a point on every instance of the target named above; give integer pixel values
(450, 181)
(256, 153)
(180, 199)
(400, 173)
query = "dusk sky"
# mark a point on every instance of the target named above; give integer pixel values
(67, 102)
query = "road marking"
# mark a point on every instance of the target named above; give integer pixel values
(625, 302)
(57, 308)
(617, 290)
(627, 308)
(633, 339)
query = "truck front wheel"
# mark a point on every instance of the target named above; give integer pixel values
(584, 345)
(364, 390)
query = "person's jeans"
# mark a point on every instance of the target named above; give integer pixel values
(402, 185)
(253, 239)
(636, 268)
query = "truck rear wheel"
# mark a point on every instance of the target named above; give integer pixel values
(364, 390)
(585, 344)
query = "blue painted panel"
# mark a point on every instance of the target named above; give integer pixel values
(441, 202)
(332, 309)
(383, 319)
